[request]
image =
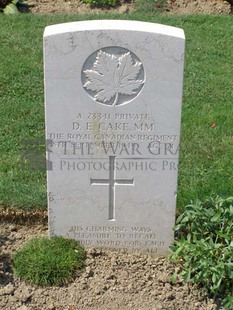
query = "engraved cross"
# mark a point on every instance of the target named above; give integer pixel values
(112, 182)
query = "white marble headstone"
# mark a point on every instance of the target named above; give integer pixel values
(113, 92)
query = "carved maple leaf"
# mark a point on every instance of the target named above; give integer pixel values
(112, 75)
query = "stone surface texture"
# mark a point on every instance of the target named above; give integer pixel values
(113, 94)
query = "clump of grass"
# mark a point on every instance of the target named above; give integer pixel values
(44, 261)
(205, 247)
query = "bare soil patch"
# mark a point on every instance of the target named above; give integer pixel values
(175, 6)
(111, 280)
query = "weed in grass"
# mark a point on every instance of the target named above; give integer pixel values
(151, 6)
(44, 261)
(100, 3)
(205, 247)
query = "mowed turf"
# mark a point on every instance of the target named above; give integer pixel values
(206, 156)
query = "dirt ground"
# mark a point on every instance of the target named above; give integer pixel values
(111, 280)
(175, 6)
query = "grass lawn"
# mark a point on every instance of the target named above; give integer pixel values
(206, 157)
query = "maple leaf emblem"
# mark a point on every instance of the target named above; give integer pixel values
(113, 75)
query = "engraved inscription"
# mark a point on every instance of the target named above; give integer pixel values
(130, 238)
(114, 77)
(111, 182)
